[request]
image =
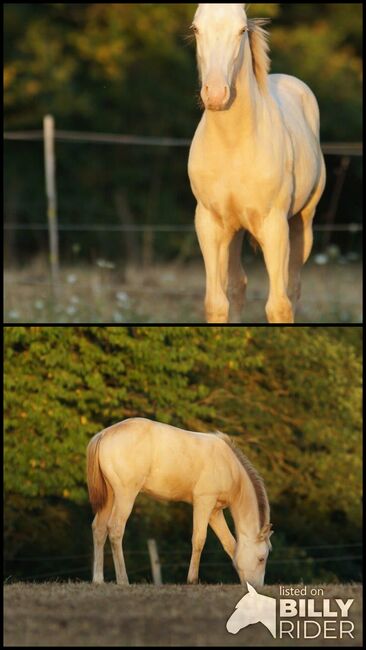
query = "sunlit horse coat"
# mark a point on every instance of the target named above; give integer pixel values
(255, 164)
(205, 470)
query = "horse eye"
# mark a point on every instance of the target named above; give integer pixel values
(194, 29)
(242, 31)
(261, 559)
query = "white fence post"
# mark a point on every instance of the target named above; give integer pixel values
(50, 177)
(155, 562)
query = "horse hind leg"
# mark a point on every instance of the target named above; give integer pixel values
(122, 507)
(99, 528)
(301, 241)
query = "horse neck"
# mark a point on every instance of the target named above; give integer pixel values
(244, 509)
(240, 120)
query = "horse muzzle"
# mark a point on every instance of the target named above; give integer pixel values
(215, 95)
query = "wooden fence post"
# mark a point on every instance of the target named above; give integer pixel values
(155, 562)
(50, 177)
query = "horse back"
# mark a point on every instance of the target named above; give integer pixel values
(165, 461)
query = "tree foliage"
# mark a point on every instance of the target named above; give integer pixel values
(92, 64)
(291, 398)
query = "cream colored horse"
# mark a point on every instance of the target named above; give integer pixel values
(255, 164)
(206, 470)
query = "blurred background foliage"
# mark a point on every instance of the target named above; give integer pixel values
(290, 397)
(128, 68)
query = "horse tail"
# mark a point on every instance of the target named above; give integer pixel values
(97, 486)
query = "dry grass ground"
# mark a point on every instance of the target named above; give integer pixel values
(80, 614)
(170, 294)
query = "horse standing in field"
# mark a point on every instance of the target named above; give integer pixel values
(255, 164)
(205, 470)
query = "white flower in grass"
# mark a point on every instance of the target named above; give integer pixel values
(321, 259)
(122, 297)
(118, 317)
(104, 264)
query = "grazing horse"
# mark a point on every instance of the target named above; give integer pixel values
(255, 164)
(205, 470)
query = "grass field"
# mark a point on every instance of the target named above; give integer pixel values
(80, 614)
(170, 294)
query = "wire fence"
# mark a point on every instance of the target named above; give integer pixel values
(141, 253)
(176, 565)
(147, 227)
(343, 149)
(328, 148)
(179, 564)
(163, 552)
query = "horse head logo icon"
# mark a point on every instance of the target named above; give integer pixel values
(253, 608)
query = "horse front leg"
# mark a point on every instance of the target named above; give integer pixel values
(202, 509)
(274, 239)
(223, 532)
(214, 241)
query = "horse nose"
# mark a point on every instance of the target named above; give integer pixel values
(215, 96)
(231, 626)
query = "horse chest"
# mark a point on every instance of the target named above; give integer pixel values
(227, 186)
(235, 202)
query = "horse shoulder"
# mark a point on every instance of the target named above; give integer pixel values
(226, 462)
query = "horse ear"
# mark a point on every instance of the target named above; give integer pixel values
(264, 531)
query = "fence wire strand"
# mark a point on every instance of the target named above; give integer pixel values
(308, 560)
(146, 227)
(329, 148)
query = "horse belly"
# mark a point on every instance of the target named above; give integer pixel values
(307, 173)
